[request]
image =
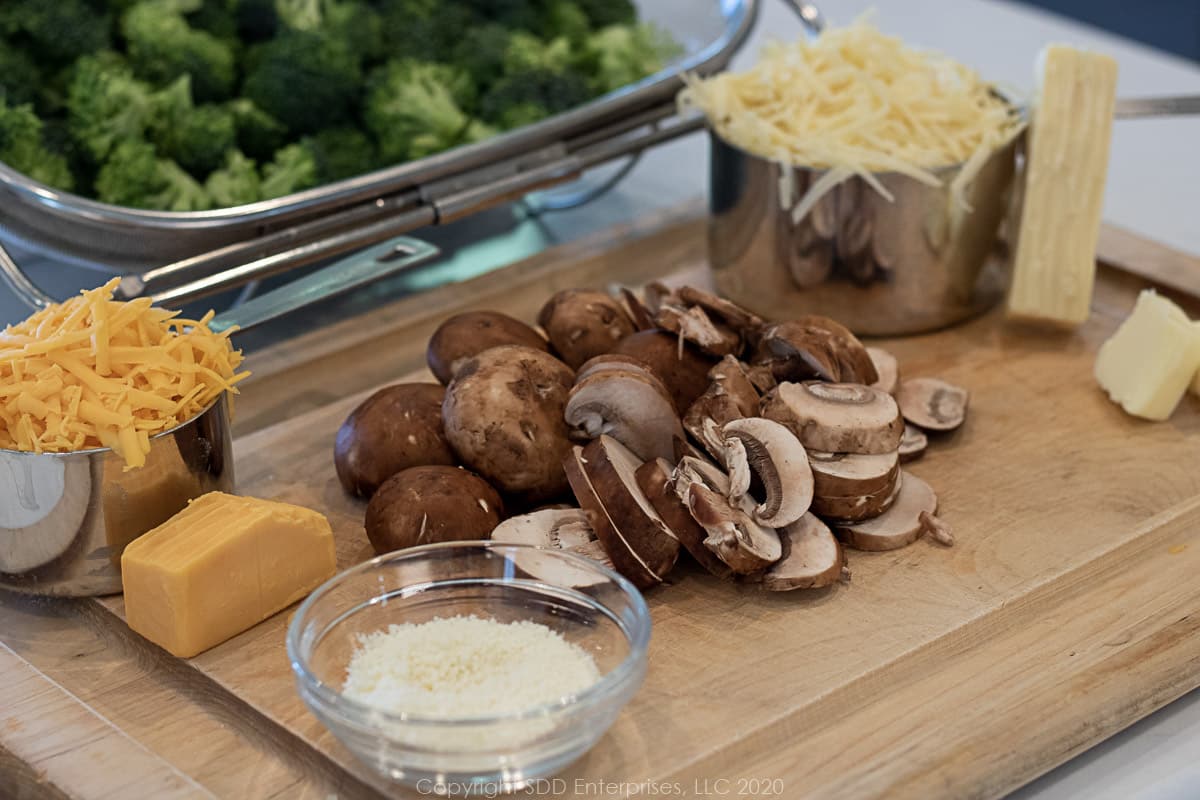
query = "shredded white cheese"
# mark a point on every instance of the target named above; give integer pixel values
(857, 102)
(457, 667)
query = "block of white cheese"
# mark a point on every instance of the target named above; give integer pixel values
(1147, 365)
(1058, 224)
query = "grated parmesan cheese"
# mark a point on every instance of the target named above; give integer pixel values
(457, 667)
(95, 372)
(857, 102)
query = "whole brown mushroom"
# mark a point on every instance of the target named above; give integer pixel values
(503, 416)
(396, 428)
(424, 505)
(681, 368)
(465, 335)
(583, 323)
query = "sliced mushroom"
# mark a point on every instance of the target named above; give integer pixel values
(900, 525)
(761, 377)
(657, 294)
(855, 508)
(837, 417)
(684, 373)
(695, 326)
(932, 404)
(614, 361)
(844, 474)
(698, 470)
(913, 444)
(583, 323)
(814, 347)
(643, 319)
(706, 416)
(812, 557)
(742, 320)
(554, 529)
(887, 368)
(603, 476)
(733, 535)
(685, 449)
(654, 478)
(729, 377)
(465, 335)
(779, 460)
(635, 409)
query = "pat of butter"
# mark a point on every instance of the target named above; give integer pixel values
(221, 566)
(1147, 364)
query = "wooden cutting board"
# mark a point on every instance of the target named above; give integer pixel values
(1068, 610)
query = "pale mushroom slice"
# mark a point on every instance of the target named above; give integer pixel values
(837, 417)
(729, 377)
(814, 347)
(698, 470)
(603, 477)
(887, 368)
(911, 515)
(632, 408)
(705, 417)
(776, 456)
(932, 404)
(733, 535)
(695, 326)
(855, 508)
(654, 478)
(913, 444)
(742, 320)
(847, 474)
(554, 529)
(812, 558)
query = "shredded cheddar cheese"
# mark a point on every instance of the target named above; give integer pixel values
(858, 102)
(96, 372)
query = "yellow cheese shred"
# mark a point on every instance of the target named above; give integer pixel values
(96, 372)
(856, 102)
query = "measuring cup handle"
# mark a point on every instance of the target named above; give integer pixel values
(809, 14)
(364, 267)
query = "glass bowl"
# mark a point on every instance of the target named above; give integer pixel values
(588, 604)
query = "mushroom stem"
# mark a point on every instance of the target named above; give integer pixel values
(936, 529)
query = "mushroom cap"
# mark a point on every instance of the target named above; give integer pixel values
(634, 408)
(812, 557)
(423, 505)
(814, 347)
(397, 427)
(465, 335)
(583, 323)
(729, 376)
(740, 319)
(837, 417)
(932, 404)
(692, 324)
(887, 368)
(684, 371)
(913, 443)
(503, 416)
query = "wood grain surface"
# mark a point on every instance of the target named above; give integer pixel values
(1067, 611)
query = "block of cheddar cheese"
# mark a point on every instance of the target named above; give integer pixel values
(221, 566)
(1054, 260)
(1147, 364)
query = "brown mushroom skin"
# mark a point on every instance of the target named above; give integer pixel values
(684, 371)
(503, 417)
(396, 428)
(465, 335)
(423, 505)
(583, 323)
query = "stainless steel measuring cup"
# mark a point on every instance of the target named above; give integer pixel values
(65, 518)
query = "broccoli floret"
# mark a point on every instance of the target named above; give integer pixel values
(524, 97)
(523, 14)
(135, 176)
(234, 184)
(426, 30)
(305, 80)
(259, 134)
(342, 153)
(619, 55)
(563, 18)
(196, 137)
(163, 47)
(23, 149)
(219, 18)
(293, 169)
(19, 76)
(527, 52)
(256, 20)
(56, 30)
(353, 22)
(416, 109)
(106, 105)
(602, 13)
(481, 54)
